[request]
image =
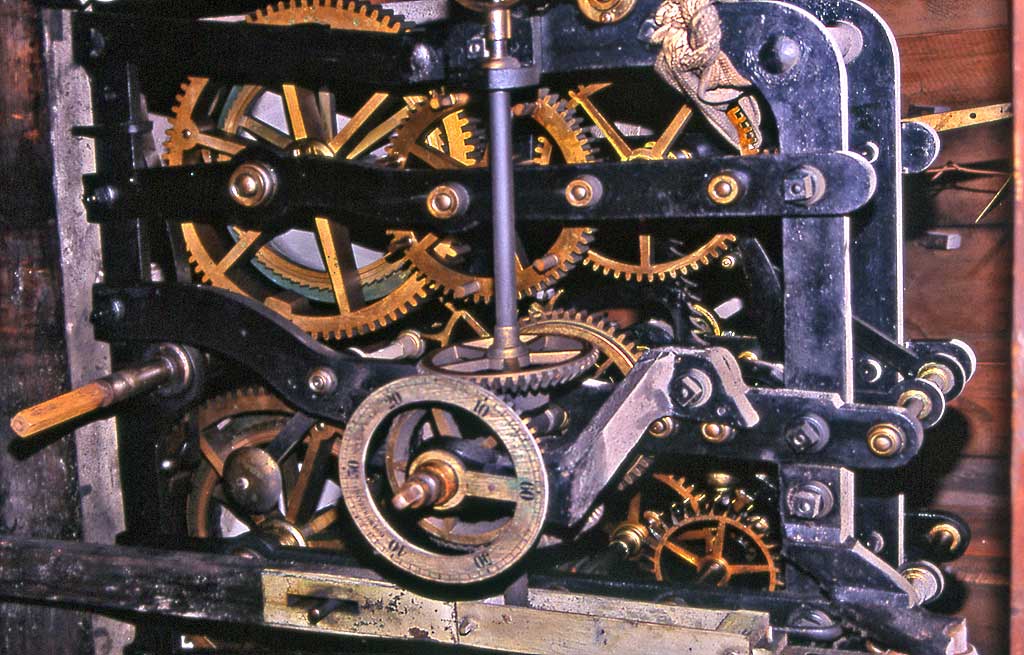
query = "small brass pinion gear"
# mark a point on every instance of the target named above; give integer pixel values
(712, 538)
(314, 278)
(608, 258)
(438, 134)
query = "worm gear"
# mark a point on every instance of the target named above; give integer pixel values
(613, 255)
(329, 282)
(618, 354)
(240, 427)
(714, 538)
(438, 134)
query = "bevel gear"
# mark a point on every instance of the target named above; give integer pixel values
(250, 419)
(710, 538)
(618, 354)
(314, 279)
(443, 260)
(644, 268)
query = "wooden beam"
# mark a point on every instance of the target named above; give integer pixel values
(1017, 348)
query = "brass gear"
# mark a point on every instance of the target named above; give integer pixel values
(710, 538)
(645, 268)
(618, 355)
(552, 360)
(439, 258)
(251, 418)
(212, 123)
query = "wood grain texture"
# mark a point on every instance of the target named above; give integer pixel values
(963, 292)
(956, 69)
(907, 17)
(38, 490)
(1017, 454)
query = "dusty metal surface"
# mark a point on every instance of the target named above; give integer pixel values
(551, 622)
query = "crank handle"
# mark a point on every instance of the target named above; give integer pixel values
(170, 370)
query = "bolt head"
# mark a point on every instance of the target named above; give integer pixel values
(322, 381)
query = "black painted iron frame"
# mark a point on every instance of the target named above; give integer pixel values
(820, 300)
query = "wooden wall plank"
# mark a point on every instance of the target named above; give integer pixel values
(1017, 456)
(907, 17)
(956, 69)
(963, 293)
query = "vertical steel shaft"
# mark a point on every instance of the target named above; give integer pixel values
(506, 333)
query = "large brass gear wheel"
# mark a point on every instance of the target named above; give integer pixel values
(443, 260)
(326, 280)
(713, 539)
(643, 265)
(551, 360)
(617, 354)
(306, 515)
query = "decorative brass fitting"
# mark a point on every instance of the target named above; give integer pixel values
(662, 427)
(939, 374)
(946, 535)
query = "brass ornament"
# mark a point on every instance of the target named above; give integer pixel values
(692, 61)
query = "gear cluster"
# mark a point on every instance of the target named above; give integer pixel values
(337, 284)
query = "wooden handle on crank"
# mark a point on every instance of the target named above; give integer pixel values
(62, 409)
(96, 395)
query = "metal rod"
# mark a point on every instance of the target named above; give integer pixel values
(506, 333)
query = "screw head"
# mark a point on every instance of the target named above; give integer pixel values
(662, 427)
(252, 184)
(584, 191)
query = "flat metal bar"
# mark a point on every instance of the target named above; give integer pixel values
(349, 189)
(248, 53)
(816, 252)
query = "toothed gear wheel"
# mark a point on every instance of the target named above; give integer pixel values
(438, 134)
(331, 284)
(251, 418)
(618, 354)
(553, 360)
(716, 539)
(647, 262)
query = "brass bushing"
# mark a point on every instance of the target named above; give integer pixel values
(939, 374)
(252, 184)
(662, 427)
(447, 201)
(584, 191)
(886, 439)
(715, 432)
(724, 189)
